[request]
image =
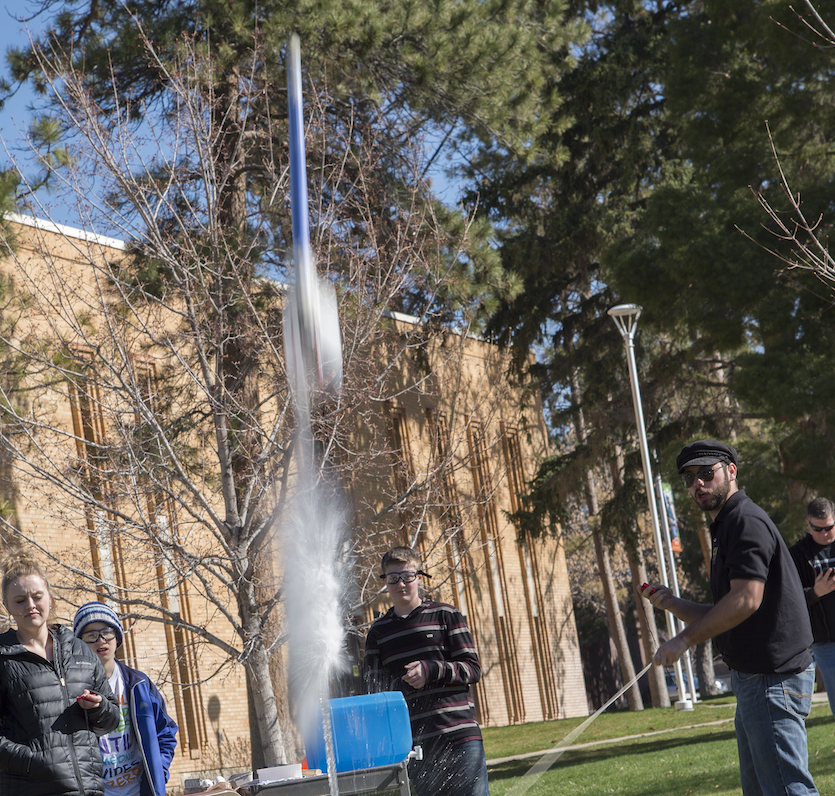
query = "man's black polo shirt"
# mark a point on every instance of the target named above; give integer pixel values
(747, 545)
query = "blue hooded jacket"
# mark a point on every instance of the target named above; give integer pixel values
(156, 731)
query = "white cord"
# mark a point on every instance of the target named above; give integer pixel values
(532, 775)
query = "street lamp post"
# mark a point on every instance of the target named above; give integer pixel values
(668, 545)
(626, 317)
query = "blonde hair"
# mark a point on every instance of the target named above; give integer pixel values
(19, 564)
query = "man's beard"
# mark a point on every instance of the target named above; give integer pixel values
(717, 498)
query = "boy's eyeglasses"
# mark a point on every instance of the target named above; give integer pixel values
(705, 475)
(393, 577)
(406, 577)
(94, 635)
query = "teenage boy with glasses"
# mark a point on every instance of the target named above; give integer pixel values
(814, 557)
(759, 620)
(424, 649)
(138, 753)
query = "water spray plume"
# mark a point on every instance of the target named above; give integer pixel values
(313, 537)
(315, 591)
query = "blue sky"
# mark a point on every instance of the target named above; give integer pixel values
(12, 33)
(16, 113)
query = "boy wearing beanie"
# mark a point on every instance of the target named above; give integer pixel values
(138, 754)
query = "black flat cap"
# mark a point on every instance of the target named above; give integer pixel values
(705, 451)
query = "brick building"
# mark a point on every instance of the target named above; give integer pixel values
(466, 423)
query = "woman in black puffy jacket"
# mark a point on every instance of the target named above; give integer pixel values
(54, 696)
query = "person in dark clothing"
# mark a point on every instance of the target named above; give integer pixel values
(759, 621)
(814, 557)
(425, 650)
(54, 696)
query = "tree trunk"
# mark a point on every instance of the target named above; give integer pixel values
(238, 363)
(649, 630)
(703, 665)
(703, 654)
(703, 531)
(266, 712)
(627, 670)
(643, 608)
(604, 565)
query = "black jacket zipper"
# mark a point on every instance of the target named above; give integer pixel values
(58, 662)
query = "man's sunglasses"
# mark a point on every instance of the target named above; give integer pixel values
(820, 528)
(705, 475)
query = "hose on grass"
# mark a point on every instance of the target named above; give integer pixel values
(532, 775)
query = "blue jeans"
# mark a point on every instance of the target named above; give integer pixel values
(824, 655)
(455, 771)
(771, 732)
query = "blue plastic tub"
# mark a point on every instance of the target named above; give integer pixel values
(368, 731)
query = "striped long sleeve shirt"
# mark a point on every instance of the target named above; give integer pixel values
(442, 713)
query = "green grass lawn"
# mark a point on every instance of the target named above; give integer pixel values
(681, 761)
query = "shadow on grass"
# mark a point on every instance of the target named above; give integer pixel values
(680, 781)
(818, 721)
(634, 767)
(821, 749)
(603, 752)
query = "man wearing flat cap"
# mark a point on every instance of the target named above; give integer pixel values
(758, 620)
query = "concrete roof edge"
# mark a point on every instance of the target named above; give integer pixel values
(69, 232)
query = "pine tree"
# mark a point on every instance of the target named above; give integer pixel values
(637, 191)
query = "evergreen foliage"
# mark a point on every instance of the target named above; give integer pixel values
(637, 192)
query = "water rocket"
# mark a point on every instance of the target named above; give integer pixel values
(312, 342)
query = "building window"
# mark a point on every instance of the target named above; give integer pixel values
(182, 660)
(411, 519)
(502, 614)
(542, 654)
(109, 559)
(452, 528)
(448, 508)
(93, 469)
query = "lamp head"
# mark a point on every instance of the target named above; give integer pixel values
(625, 310)
(626, 317)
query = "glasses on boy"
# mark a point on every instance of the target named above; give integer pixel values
(91, 636)
(407, 577)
